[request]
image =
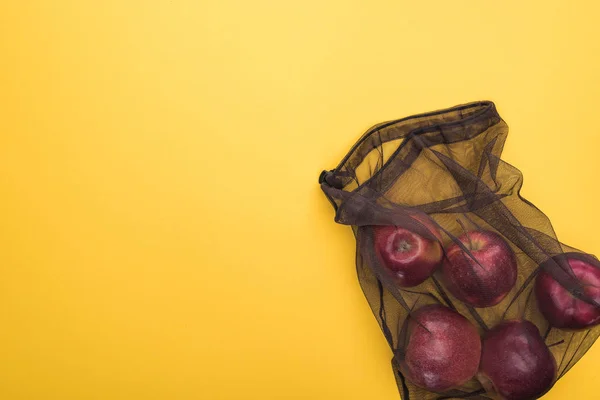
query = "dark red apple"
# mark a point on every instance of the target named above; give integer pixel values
(515, 361)
(410, 257)
(442, 351)
(562, 309)
(483, 276)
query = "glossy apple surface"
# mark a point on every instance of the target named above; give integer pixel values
(562, 309)
(484, 275)
(409, 257)
(515, 361)
(443, 349)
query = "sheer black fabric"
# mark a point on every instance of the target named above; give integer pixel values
(447, 165)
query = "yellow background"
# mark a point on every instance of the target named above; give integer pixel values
(162, 233)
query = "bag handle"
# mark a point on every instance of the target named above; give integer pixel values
(462, 116)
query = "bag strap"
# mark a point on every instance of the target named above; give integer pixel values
(454, 123)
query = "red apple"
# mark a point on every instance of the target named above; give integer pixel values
(483, 276)
(515, 361)
(443, 349)
(410, 257)
(561, 308)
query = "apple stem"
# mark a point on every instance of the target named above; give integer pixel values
(556, 344)
(466, 233)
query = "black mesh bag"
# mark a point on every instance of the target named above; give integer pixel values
(471, 288)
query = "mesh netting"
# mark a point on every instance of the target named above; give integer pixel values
(441, 229)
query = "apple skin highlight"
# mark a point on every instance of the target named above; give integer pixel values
(443, 349)
(561, 308)
(407, 256)
(485, 276)
(515, 361)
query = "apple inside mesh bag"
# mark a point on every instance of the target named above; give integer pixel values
(473, 291)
